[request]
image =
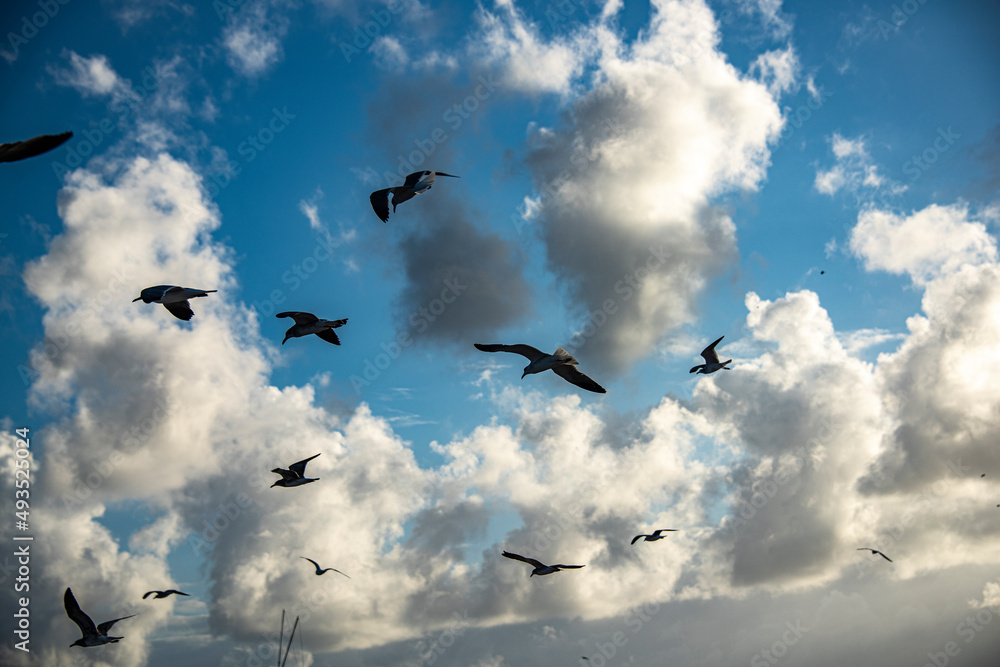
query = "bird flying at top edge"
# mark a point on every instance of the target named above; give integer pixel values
(21, 150)
(712, 362)
(307, 323)
(560, 362)
(415, 183)
(92, 635)
(875, 551)
(173, 298)
(541, 569)
(295, 475)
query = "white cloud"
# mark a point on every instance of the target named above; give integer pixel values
(631, 176)
(928, 243)
(92, 77)
(252, 38)
(854, 171)
(778, 70)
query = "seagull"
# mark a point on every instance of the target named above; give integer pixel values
(560, 361)
(20, 150)
(875, 551)
(712, 363)
(541, 569)
(163, 594)
(417, 182)
(307, 323)
(295, 475)
(655, 536)
(92, 636)
(323, 571)
(173, 298)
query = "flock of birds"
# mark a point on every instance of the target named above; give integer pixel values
(176, 300)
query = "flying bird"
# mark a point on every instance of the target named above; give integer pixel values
(415, 183)
(92, 636)
(712, 362)
(295, 475)
(163, 594)
(20, 150)
(307, 323)
(875, 551)
(173, 298)
(657, 535)
(541, 569)
(560, 361)
(325, 570)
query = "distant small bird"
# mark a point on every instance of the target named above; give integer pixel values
(307, 323)
(983, 475)
(822, 272)
(92, 636)
(323, 571)
(561, 362)
(541, 569)
(173, 298)
(20, 150)
(295, 475)
(876, 551)
(657, 535)
(415, 183)
(163, 594)
(712, 362)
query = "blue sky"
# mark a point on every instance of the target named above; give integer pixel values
(814, 181)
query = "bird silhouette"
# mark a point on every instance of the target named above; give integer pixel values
(92, 635)
(415, 183)
(20, 150)
(712, 362)
(560, 362)
(173, 298)
(541, 569)
(322, 571)
(307, 323)
(295, 475)
(163, 594)
(656, 535)
(876, 551)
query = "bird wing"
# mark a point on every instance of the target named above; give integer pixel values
(414, 178)
(530, 561)
(299, 316)
(527, 351)
(148, 594)
(884, 556)
(105, 627)
(180, 309)
(19, 150)
(571, 374)
(176, 592)
(311, 561)
(569, 567)
(695, 368)
(285, 474)
(76, 615)
(711, 356)
(656, 533)
(329, 335)
(299, 468)
(636, 538)
(330, 569)
(380, 204)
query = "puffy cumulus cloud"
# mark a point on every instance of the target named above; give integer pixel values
(461, 282)
(779, 71)
(626, 183)
(509, 42)
(928, 243)
(252, 38)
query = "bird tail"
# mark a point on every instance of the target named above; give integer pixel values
(340, 323)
